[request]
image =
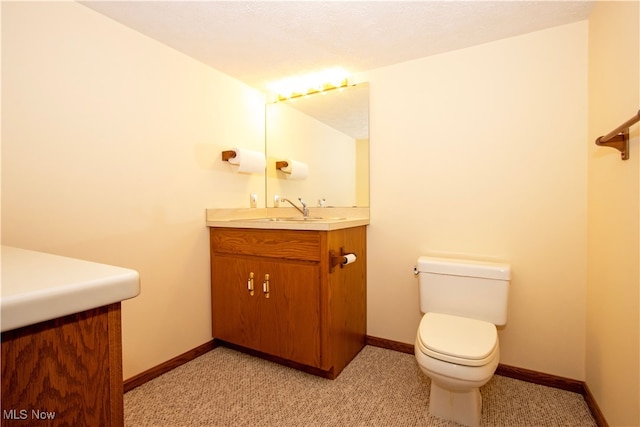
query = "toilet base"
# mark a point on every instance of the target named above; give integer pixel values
(464, 407)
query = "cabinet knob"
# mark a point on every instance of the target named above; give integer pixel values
(250, 284)
(265, 286)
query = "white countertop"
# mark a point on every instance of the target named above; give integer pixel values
(334, 218)
(37, 286)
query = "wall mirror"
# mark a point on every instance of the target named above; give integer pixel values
(328, 133)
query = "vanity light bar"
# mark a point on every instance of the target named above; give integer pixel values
(295, 87)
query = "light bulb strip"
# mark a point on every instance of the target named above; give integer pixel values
(313, 90)
(297, 87)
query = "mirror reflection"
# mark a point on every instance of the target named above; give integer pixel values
(321, 144)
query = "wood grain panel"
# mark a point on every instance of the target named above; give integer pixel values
(290, 317)
(348, 296)
(235, 314)
(116, 401)
(281, 244)
(61, 369)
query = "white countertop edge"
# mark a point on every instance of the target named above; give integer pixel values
(26, 301)
(327, 225)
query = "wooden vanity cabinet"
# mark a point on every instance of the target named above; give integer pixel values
(275, 294)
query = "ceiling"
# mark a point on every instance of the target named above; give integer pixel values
(258, 42)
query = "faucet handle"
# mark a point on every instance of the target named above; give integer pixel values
(305, 209)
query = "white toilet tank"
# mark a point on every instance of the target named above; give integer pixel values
(466, 288)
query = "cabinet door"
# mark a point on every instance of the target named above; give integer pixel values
(234, 309)
(290, 317)
(281, 318)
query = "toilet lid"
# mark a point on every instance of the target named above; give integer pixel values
(457, 339)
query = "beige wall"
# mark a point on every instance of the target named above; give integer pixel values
(481, 152)
(362, 172)
(613, 314)
(111, 152)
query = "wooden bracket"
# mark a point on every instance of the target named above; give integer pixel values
(281, 164)
(335, 260)
(229, 154)
(620, 142)
(619, 137)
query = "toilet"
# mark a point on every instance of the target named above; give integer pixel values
(457, 341)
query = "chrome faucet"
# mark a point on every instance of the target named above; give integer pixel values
(304, 211)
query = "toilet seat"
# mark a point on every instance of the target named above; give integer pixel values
(458, 340)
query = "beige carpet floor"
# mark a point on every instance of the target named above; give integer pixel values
(379, 388)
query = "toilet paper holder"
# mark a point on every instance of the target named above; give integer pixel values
(281, 164)
(228, 155)
(343, 259)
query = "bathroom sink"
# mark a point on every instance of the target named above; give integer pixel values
(306, 218)
(293, 219)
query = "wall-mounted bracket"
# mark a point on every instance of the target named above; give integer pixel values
(281, 164)
(620, 142)
(339, 260)
(335, 260)
(619, 137)
(228, 155)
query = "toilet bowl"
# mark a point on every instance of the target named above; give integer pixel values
(459, 355)
(457, 341)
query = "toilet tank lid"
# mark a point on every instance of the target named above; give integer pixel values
(464, 267)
